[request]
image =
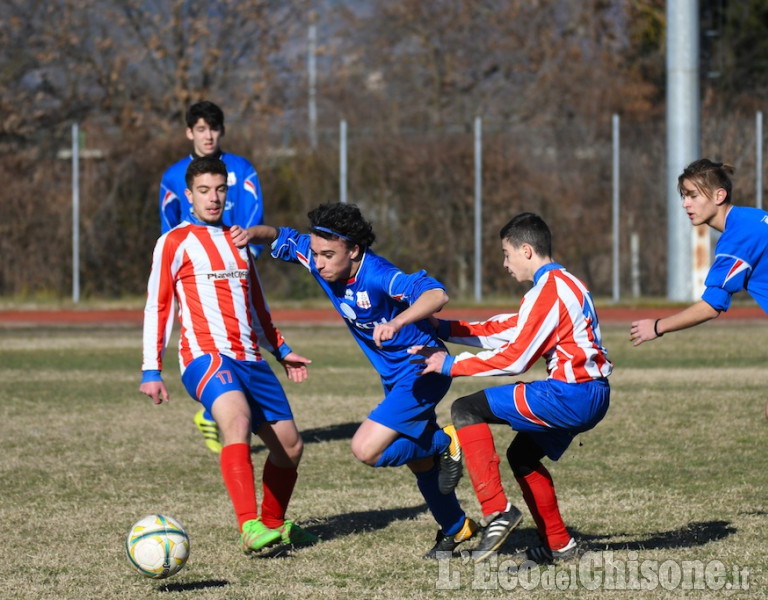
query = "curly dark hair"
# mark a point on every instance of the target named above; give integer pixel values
(338, 220)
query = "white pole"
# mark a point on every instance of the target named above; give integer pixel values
(634, 249)
(312, 85)
(616, 208)
(759, 159)
(343, 162)
(75, 214)
(478, 207)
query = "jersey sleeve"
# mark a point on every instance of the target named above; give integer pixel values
(291, 246)
(158, 310)
(170, 205)
(407, 288)
(268, 336)
(252, 210)
(727, 275)
(529, 339)
(496, 332)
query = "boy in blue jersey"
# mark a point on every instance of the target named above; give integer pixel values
(244, 206)
(387, 311)
(741, 253)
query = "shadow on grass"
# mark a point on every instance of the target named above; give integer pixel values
(359, 521)
(331, 433)
(193, 585)
(693, 534)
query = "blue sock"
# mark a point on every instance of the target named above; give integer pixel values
(445, 508)
(404, 450)
(207, 415)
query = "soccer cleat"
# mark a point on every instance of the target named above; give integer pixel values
(256, 536)
(450, 463)
(541, 555)
(210, 431)
(448, 543)
(293, 535)
(496, 532)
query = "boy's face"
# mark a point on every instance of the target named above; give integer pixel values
(334, 260)
(701, 208)
(517, 261)
(205, 139)
(208, 197)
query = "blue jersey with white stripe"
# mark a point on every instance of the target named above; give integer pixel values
(741, 260)
(244, 207)
(377, 294)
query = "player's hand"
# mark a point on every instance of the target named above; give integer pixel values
(642, 331)
(430, 357)
(384, 332)
(295, 367)
(239, 236)
(155, 390)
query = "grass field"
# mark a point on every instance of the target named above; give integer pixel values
(673, 479)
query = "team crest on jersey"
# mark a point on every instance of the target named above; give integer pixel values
(231, 178)
(363, 301)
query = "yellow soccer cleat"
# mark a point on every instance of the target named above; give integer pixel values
(210, 431)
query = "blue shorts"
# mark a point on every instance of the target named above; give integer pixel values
(209, 376)
(409, 405)
(551, 412)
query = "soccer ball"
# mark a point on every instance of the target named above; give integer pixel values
(157, 546)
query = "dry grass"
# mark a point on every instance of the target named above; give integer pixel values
(674, 473)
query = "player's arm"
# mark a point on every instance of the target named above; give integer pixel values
(169, 206)
(255, 234)
(428, 303)
(645, 330)
(496, 332)
(158, 320)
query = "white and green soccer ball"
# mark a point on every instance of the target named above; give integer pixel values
(157, 546)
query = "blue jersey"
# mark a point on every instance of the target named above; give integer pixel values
(741, 259)
(377, 294)
(244, 207)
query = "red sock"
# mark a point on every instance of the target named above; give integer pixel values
(483, 467)
(278, 486)
(237, 470)
(539, 495)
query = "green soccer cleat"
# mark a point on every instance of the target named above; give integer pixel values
(210, 431)
(293, 535)
(256, 536)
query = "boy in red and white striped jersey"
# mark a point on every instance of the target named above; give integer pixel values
(224, 323)
(557, 321)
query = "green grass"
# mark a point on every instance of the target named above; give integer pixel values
(675, 472)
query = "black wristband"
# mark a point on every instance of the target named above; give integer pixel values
(655, 328)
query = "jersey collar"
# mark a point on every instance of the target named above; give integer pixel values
(545, 269)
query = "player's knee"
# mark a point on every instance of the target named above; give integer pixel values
(469, 410)
(364, 453)
(235, 429)
(523, 455)
(294, 451)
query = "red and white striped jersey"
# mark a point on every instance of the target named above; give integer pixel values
(557, 320)
(222, 308)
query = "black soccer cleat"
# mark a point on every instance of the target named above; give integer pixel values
(449, 543)
(496, 532)
(450, 463)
